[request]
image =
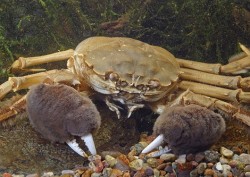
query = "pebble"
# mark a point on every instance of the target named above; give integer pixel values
(199, 157)
(71, 172)
(17, 175)
(136, 164)
(209, 172)
(245, 158)
(168, 157)
(247, 174)
(226, 152)
(48, 174)
(7, 175)
(33, 175)
(211, 156)
(224, 160)
(110, 160)
(218, 166)
(247, 168)
(201, 168)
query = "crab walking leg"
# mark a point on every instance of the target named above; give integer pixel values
(216, 92)
(22, 62)
(24, 82)
(241, 65)
(189, 97)
(16, 108)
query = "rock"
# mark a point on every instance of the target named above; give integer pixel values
(210, 165)
(33, 175)
(67, 175)
(181, 159)
(235, 171)
(106, 172)
(156, 173)
(121, 165)
(48, 174)
(169, 169)
(218, 166)
(201, 168)
(161, 166)
(247, 168)
(245, 158)
(71, 172)
(149, 171)
(212, 156)
(190, 157)
(194, 173)
(226, 152)
(199, 157)
(7, 175)
(110, 160)
(168, 157)
(115, 173)
(226, 169)
(209, 172)
(136, 164)
(96, 174)
(224, 160)
(247, 174)
(153, 162)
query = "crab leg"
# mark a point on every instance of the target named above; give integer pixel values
(24, 82)
(22, 62)
(16, 108)
(189, 97)
(216, 92)
(241, 65)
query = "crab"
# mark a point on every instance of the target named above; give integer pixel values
(129, 74)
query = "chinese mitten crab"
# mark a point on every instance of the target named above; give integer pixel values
(129, 74)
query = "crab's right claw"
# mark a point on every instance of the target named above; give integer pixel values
(154, 144)
(88, 139)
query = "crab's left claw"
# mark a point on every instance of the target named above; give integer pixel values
(154, 144)
(88, 139)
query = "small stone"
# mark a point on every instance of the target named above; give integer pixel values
(209, 172)
(169, 169)
(194, 173)
(190, 157)
(110, 160)
(106, 172)
(17, 175)
(168, 157)
(235, 171)
(7, 175)
(226, 152)
(199, 157)
(121, 165)
(226, 169)
(233, 163)
(201, 168)
(126, 174)
(67, 175)
(245, 158)
(136, 164)
(247, 168)
(210, 165)
(68, 172)
(236, 157)
(116, 172)
(224, 160)
(33, 175)
(149, 171)
(163, 173)
(181, 159)
(153, 162)
(218, 166)
(156, 173)
(48, 174)
(161, 166)
(212, 156)
(96, 174)
(247, 174)
(194, 164)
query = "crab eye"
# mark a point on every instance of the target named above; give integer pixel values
(154, 83)
(112, 76)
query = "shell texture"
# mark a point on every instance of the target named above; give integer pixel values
(133, 61)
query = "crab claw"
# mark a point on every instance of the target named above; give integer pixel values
(89, 142)
(60, 113)
(154, 144)
(187, 129)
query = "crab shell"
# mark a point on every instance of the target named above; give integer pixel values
(126, 68)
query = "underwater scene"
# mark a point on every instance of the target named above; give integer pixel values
(124, 88)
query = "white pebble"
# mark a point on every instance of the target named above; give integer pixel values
(218, 166)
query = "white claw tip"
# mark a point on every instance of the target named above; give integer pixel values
(157, 142)
(88, 139)
(75, 146)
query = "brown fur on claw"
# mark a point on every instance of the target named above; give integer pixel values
(189, 129)
(59, 112)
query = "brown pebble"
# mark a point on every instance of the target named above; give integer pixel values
(87, 173)
(131, 155)
(190, 157)
(7, 175)
(199, 157)
(209, 172)
(126, 174)
(161, 166)
(163, 173)
(123, 158)
(210, 165)
(116, 173)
